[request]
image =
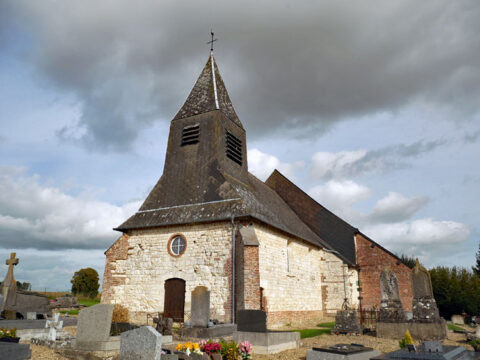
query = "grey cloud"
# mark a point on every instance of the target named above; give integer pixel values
(395, 208)
(346, 164)
(296, 67)
(471, 138)
(35, 215)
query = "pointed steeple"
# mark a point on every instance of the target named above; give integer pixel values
(208, 94)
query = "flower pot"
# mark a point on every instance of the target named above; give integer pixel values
(10, 339)
(216, 357)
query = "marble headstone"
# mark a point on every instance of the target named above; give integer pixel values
(94, 324)
(144, 343)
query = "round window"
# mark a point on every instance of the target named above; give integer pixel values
(177, 245)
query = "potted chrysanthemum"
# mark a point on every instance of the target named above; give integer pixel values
(9, 335)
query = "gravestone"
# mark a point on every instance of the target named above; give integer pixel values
(458, 320)
(163, 325)
(53, 326)
(31, 315)
(9, 287)
(200, 307)
(425, 308)
(144, 343)
(93, 329)
(252, 320)
(347, 322)
(391, 309)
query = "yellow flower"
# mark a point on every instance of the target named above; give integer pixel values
(195, 346)
(179, 347)
(188, 345)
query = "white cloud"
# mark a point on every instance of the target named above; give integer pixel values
(34, 215)
(396, 207)
(262, 165)
(339, 195)
(422, 231)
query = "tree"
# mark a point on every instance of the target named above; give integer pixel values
(24, 286)
(408, 260)
(85, 282)
(476, 268)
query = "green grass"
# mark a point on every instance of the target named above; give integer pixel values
(454, 327)
(69, 312)
(328, 325)
(88, 302)
(308, 333)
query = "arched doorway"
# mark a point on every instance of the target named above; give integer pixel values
(174, 299)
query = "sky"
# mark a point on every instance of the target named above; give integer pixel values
(370, 107)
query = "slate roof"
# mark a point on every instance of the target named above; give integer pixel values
(335, 232)
(202, 96)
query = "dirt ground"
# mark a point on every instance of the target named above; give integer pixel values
(384, 345)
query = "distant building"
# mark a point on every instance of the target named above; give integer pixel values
(253, 244)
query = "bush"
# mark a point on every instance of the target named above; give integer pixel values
(85, 282)
(407, 340)
(120, 313)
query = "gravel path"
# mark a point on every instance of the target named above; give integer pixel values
(384, 345)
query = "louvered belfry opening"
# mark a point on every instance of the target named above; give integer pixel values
(234, 148)
(190, 134)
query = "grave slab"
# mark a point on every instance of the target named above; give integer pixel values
(342, 352)
(270, 342)
(423, 352)
(13, 351)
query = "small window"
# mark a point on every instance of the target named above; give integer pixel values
(177, 245)
(234, 148)
(190, 134)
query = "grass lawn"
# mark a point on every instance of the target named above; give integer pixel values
(88, 302)
(307, 333)
(328, 325)
(454, 327)
(69, 312)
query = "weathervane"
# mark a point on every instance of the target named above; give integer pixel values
(211, 41)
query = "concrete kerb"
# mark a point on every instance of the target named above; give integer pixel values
(270, 342)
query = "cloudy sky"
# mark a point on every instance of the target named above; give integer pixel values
(370, 107)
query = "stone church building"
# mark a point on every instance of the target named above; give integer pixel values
(254, 245)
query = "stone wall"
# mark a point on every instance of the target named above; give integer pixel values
(292, 274)
(372, 261)
(138, 264)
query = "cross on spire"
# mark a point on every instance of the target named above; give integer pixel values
(211, 41)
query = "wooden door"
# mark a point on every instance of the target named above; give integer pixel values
(174, 299)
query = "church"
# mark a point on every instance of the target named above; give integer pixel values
(254, 245)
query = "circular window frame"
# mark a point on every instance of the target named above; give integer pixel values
(169, 245)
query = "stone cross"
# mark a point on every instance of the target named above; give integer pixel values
(53, 326)
(9, 280)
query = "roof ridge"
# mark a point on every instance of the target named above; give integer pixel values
(323, 207)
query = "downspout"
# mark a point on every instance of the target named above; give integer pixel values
(233, 269)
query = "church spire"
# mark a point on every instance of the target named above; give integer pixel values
(208, 94)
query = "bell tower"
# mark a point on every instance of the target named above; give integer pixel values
(206, 147)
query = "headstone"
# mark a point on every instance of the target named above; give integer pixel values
(425, 308)
(458, 320)
(252, 320)
(94, 323)
(144, 343)
(31, 315)
(9, 287)
(391, 309)
(200, 307)
(54, 325)
(163, 325)
(347, 322)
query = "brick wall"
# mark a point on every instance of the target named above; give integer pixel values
(372, 261)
